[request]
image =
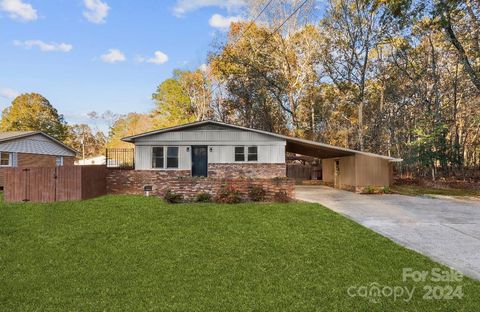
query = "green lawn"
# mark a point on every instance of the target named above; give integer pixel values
(419, 190)
(139, 254)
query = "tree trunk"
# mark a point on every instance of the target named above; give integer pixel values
(447, 27)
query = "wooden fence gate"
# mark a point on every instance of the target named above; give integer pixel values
(46, 185)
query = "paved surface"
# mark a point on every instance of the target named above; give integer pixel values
(446, 230)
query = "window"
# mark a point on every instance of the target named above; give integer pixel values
(239, 153)
(59, 161)
(172, 157)
(157, 157)
(5, 159)
(252, 153)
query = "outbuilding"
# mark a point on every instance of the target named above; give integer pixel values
(32, 149)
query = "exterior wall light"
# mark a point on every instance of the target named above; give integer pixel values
(211, 149)
(188, 149)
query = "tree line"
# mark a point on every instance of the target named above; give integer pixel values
(395, 77)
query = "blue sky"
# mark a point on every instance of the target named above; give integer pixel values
(86, 55)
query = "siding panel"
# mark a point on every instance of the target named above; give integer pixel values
(212, 137)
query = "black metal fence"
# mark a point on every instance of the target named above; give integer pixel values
(122, 158)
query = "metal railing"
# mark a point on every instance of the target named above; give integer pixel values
(122, 158)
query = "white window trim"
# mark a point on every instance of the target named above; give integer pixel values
(165, 156)
(245, 153)
(10, 160)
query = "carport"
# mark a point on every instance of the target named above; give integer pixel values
(346, 168)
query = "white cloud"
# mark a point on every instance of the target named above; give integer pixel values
(184, 6)
(96, 12)
(158, 58)
(113, 56)
(223, 22)
(8, 93)
(44, 46)
(19, 10)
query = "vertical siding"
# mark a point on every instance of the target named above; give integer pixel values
(328, 170)
(220, 154)
(209, 136)
(372, 171)
(347, 171)
(184, 157)
(222, 143)
(143, 157)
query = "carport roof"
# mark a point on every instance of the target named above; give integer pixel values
(294, 145)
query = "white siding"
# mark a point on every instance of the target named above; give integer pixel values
(35, 144)
(221, 142)
(143, 157)
(209, 137)
(266, 153)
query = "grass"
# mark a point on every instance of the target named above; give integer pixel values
(419, 190)
(140, 254)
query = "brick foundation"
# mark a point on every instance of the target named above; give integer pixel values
(246, 170)
(180, 182)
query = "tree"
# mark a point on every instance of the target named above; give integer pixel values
(33, 112)
(128, 125)
(84, 140)
(185, 97)
(173, 105)
(353, 30)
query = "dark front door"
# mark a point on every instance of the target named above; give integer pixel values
(199, 161)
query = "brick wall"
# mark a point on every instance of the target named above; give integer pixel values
(180, 182)
(36, 160)
(2, 178)
(242, 170)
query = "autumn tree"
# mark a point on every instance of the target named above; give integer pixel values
(33, 112)
(83, 139)
(130, 124)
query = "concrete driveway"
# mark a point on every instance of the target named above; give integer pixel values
(446, 230)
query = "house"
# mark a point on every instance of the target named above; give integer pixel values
(203, 155)
(97, 160)
(32, 149)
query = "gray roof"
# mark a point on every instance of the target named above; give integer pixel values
(12, 136)
(293, 144)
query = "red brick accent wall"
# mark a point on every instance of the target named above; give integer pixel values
(180, 182)
(246, 170)
(36, 160)
(2, 177)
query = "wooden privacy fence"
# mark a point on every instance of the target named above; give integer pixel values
(303, 172)
(54, 184)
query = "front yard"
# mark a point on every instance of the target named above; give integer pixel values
(139, 254)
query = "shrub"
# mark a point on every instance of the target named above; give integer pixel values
(386, 190)
(281, 197)
(368, 190)
(229, 195)
(203, 197)
(256, 193)
(173, 198)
